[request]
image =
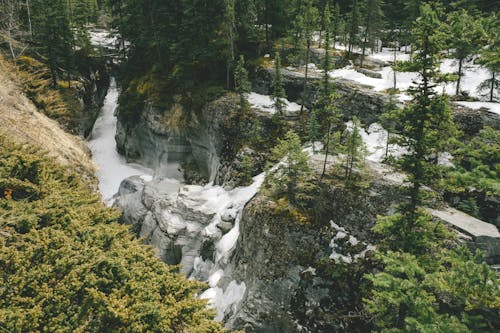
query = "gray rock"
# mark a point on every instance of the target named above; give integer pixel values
(225, 226)
(131, 185)
(355, 99)
(369, 73)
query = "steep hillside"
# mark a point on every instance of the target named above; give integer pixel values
(21, 122)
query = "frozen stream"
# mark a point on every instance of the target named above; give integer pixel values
(112, 167)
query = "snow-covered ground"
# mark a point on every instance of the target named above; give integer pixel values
(493, 107)
(112, 167)
(473, 76)
(265, 103)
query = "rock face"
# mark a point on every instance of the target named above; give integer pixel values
(266, 271)
(282, 262)
(355, 99)
(472, 121)
(191, 149)
(95, 86)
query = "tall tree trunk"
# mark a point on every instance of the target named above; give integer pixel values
(492, 86)
(304, 87)
(29, 17)
(393, 70)
(460, 61)
(326, 151)
(364, 48)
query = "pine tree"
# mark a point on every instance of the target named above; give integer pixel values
(355, 150)
(324, 107)
(426, 121)
(230, 37)
(388, 120)
(309, 18)
(241, 83)
(353, 29)
(336, 23)
(53, 35)
(278, 94)
(490, 55)
(373, 23)
(295, 164)
(465, 35)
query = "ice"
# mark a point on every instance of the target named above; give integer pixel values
(265, 103)
(224, 203)
(225, 300)
(215, 277)
(112, 167)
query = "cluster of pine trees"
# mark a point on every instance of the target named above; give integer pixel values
(52, 31)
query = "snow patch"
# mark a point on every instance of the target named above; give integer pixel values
(265, 103)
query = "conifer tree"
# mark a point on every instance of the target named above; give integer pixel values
(355, 150)
(426, 121)
(53, 35)
(490, 55)
(353, 28)
(241, 83)
(325, 108)
(295, 164)
(336, 23)
(373, 22)
(465, 35)
(309, 18)
(278, 94)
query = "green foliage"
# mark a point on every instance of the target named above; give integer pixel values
(278, 94)
(464, 38)
(476, 165)
(489, 55)
(67, 265)
(355, 151)
(241, 82)
(293, 167)
(426, 121)
(456, 293)
(415, 233)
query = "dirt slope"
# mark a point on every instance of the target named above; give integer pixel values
(20, 121)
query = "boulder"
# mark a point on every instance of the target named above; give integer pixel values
(369, 73)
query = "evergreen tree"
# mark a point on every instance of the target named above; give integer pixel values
(230, 36)
(490, 55)
(278, 94)
(241, 82)
(388, 120)
(353, 28)
(355, 150)
(309, 18)
(325, 108)
(428, 113)
(295, 165)
(336, 22)
(465, 36)
(53, 35)
(373, 23)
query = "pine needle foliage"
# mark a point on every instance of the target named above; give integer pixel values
(66, 265)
